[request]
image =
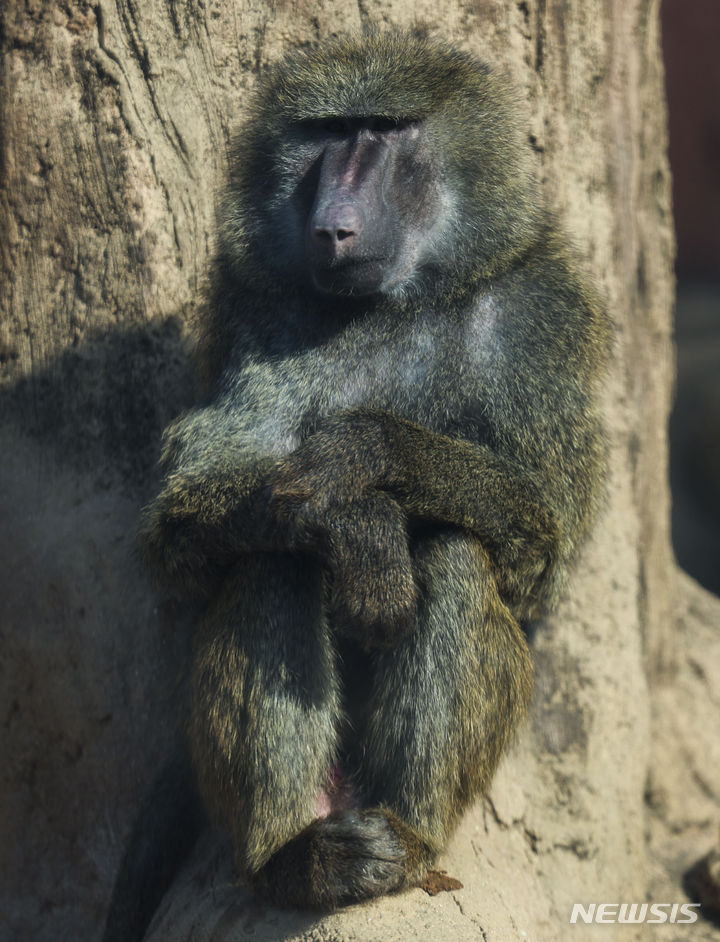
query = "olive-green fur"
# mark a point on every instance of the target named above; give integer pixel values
(380, 489)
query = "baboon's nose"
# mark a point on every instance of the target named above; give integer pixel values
(336, 227)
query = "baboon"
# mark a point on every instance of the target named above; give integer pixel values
(398, 460)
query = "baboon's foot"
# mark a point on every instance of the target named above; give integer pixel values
(343, 858)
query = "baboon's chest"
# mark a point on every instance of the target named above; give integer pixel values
(427, 374)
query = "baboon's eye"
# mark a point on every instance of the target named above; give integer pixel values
(335, 125)
(384, 124)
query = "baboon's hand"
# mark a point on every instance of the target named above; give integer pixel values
(373, 601)
(364, 545)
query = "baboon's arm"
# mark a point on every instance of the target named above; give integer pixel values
(434, 478)
(202, 520)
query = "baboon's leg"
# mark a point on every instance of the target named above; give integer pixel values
(264, 719)
(443, 704)
(446, 701)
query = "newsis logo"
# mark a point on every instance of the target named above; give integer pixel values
(634, 912)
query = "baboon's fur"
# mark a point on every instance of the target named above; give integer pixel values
(383, 486)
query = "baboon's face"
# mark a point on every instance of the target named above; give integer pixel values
(368, 206)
